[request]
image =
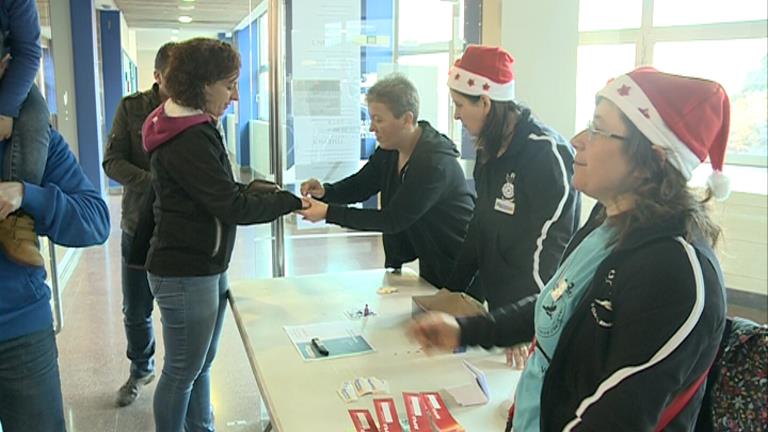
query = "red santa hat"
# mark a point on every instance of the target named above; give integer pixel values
(484, 70)
(689, 117)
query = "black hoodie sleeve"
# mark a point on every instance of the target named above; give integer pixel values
(505, 327)
(359, 186)
(195, 164)
(422, 187)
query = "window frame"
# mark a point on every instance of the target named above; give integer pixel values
(647, 36)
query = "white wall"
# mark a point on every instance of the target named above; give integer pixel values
(128, 39)
(64, 71)
(146, 64)
(543, 36)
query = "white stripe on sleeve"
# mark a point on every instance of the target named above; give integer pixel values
(665, 351)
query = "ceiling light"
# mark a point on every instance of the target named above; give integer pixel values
(175, 31)
(187, 1)
(186, 7)
(185, 19)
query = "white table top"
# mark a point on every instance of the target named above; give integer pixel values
(301, 396)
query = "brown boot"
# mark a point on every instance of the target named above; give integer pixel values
(19, 241)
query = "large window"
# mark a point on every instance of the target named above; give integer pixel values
(429, 37)
(263, 67)
(723, 41)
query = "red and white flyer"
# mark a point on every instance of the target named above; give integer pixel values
(363, 420)
(386, 412)
(441, 417)
(418, 417)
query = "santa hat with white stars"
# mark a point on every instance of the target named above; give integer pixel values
(689, 117)
(484, 70)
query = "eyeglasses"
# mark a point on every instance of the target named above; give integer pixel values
(593, 131)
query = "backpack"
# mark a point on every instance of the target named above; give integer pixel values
(736, 398)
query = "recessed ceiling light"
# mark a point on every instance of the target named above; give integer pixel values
(186, 7)
(175, 31)
(185, 19)
(187, 1)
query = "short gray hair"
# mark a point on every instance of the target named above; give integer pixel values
(397, 93)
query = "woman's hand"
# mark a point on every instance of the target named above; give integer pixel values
(517, 356)
(313, 188)
(435, 331)
(313, 210)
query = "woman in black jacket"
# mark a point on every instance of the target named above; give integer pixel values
(629, 325)
(526, 208)
(198, 205)
(425, 200)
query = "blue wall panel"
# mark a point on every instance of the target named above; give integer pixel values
(87, 97)
(244, 115)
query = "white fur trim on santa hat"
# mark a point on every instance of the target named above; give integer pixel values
(720, 185)
(634, 103)
(473, 84)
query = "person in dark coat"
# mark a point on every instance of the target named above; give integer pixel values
(626, 330)
(426, 203)
(527, 209)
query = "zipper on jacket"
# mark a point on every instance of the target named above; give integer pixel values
(217, 238)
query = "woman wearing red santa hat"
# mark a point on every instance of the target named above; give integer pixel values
(626, 330)
(526, 209)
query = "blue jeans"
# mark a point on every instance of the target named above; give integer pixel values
(192, 311)
(30, 388)
(137, 315)
(27, 151)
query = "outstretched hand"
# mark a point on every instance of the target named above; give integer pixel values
(313, 210)
(313, 188)
(435, 331)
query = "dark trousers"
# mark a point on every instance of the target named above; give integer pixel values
(137, 315)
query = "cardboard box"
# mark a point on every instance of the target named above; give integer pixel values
(453, 303)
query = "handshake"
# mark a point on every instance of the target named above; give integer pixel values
(312, 190)
(313, 210)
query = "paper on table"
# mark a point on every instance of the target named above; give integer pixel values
(341, 338)
(472, 393)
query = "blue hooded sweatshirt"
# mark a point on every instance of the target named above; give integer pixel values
(67, 209)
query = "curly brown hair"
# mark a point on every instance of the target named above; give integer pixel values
(661, 194)
(196, 63)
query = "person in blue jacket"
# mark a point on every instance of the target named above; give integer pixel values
(69, 210)
(22, 112)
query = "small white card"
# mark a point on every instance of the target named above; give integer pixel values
(472, 393)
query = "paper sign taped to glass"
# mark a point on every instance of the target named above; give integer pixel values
(457, 304)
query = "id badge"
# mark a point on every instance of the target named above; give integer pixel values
(505, 206)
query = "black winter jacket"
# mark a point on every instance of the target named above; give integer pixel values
(526, 213)
(647, 328)
(198, 204)
(425, 208)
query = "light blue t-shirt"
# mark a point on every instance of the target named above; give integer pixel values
(554, 308)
